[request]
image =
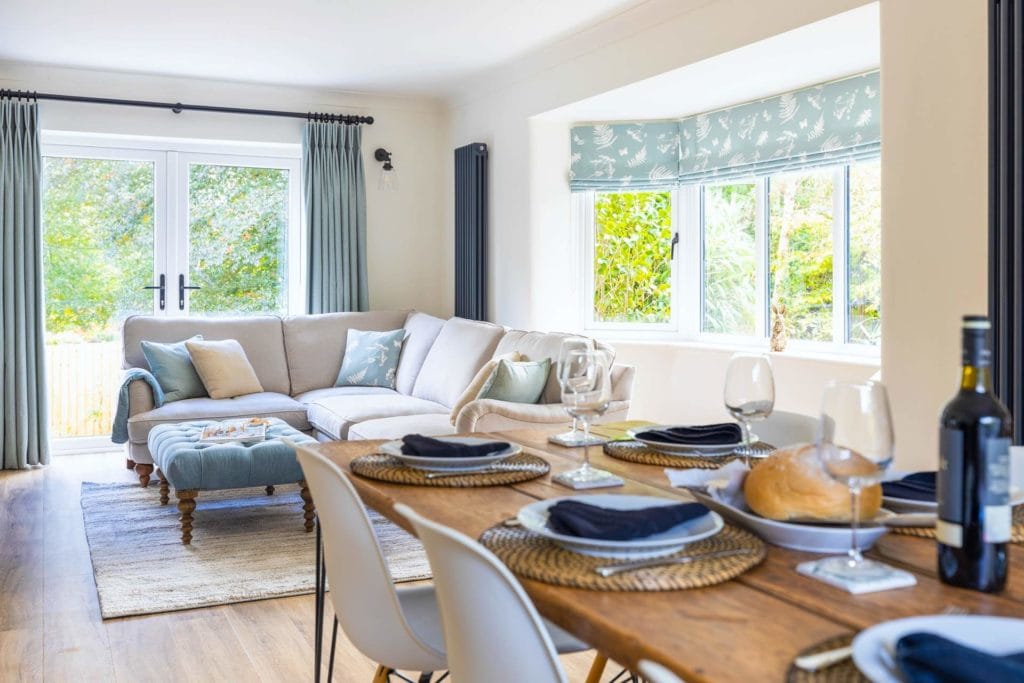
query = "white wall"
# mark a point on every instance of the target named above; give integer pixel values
(405, 229)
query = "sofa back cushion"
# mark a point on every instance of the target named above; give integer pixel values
(315, 344)
(421, 331)
(260, 336)
(536, 346)
(461, 347)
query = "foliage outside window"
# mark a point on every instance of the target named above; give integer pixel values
(730, 259)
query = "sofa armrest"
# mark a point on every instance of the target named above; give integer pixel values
(490, 415)
(622, 378)
(140, 397)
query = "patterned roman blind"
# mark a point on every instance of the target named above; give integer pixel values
(832, 123)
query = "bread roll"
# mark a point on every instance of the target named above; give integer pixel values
(792, 484)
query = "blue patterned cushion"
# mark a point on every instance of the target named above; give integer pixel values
(371, 359)
(172, 366)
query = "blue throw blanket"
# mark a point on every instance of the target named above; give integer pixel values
(119, 432)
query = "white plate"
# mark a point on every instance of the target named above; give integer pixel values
(993, 635)
(394, 448)
(814, 538)
(672, 448)
(534, 517)
(908, 505)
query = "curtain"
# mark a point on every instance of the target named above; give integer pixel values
(23, 409)
(615, 156)
(335, 200)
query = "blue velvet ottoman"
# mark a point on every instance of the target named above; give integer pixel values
(190, 466)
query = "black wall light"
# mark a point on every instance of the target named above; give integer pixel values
(388, 176)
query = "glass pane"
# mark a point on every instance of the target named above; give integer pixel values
(800, 215)
(238, 239)
(730, 259)
(97, 257)
(633, 257)
(865, 257)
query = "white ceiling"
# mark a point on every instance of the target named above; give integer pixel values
(406, 46)
(840, 45)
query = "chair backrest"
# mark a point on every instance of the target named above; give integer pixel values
(360, 583)
(653, 672)
(491, 629)
(782, 429)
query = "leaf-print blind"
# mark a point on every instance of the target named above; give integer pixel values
(608, 156)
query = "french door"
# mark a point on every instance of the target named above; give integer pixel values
(158, 229)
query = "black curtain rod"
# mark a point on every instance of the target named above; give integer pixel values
(178, 107)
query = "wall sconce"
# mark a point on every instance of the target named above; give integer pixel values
(388, 181)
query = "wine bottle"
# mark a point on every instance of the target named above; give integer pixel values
(973, 483)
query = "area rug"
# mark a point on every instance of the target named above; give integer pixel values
(246, 545)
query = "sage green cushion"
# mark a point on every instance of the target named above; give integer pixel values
(517, 381)
(371, 359)
(172, 366)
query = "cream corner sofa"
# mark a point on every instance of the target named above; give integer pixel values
(297, 360)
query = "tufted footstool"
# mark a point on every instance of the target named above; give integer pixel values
(190, 466)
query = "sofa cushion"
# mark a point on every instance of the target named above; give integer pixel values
(517, 382)
(460, 349)
(259, 335)
(224, 368)
(538, 346)
(315, 344)
(333, 416)
(172, 366)
(431, 424)
(371, 359)
(317, 394)
(421, 330)
(265, 404)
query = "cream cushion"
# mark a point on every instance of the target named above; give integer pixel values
(479, 380)
(224, 368)
(460, 349)
(333, 416)
(431, 424)
(421, 331)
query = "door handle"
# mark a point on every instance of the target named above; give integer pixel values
(163, 290)
(675, 241)
(181, 291)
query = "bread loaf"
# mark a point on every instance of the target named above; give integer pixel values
(792, 484)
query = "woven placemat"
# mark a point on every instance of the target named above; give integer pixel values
(1016, 533)
(518, 468)
(840, 672)
(634, 451)
(534, 557)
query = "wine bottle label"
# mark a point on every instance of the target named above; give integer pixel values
(998, 519)
(949, 481)
(949, 533)
(998, 524)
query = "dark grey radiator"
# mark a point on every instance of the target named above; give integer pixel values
(471, 231)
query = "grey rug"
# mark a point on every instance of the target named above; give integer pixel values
(245, 546)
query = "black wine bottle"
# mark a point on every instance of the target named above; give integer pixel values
(973, 484)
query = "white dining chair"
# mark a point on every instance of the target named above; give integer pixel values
(492, 630)
(396, 627)
(652, 672)
(782, 429)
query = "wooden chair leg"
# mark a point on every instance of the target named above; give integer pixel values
(165, 488)
(143, 471)
(381, 676)
(186, 506)
(270, 490)
(597, 668)
(307, 506)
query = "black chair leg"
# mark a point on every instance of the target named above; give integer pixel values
(334, 642)
(426, 676)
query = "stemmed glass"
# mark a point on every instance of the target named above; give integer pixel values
(585, 376)
(749, 395)
(572, 438)
(855, 445)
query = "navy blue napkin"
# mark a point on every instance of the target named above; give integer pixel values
(917, 486)
(425, 447)
(573, 518)
(929, 658)
(723, 433)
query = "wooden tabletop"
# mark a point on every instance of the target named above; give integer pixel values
(748, 629)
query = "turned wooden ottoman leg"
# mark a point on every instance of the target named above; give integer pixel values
(143, 471)
(130, 463)
(165, 488)
(186, 506)
(307, 507)
(270, 490)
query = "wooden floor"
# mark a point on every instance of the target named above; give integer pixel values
(50, 626)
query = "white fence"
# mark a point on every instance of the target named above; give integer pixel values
(82, 380)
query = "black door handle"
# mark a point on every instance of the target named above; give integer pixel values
(675, 241)
(163, 290)
(181, 291)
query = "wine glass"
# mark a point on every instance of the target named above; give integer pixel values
(573, 437)
(855, 446)
(585, 376)
(749, 396)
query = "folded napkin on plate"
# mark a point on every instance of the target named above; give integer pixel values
(929, 658)
(917, 486)
(424, 446)
(723, 433)
(724, 484)
(574, 518)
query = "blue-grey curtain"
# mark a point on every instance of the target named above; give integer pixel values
(335, 198)
(23, 409)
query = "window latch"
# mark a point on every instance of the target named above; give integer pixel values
(675, 241)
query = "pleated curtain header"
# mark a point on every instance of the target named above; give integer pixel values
(831, 123)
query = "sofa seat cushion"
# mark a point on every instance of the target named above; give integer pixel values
(264, 404)
(333, 416)
(317, 394)
(432, 424)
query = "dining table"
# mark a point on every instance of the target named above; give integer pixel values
(747, 629)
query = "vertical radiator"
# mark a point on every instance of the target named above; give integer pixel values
(471, 231)
(1006, 203)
